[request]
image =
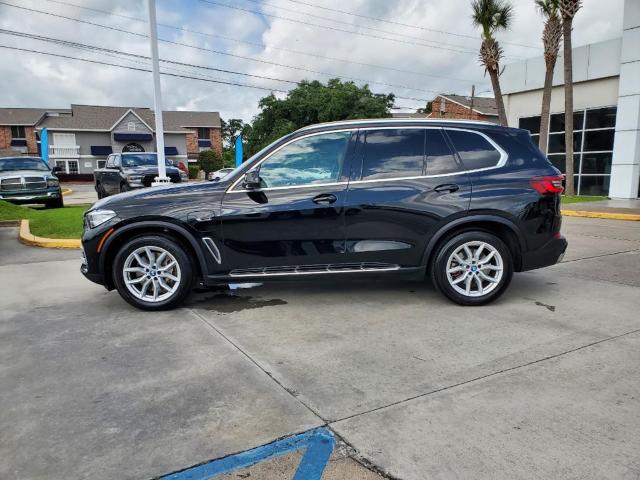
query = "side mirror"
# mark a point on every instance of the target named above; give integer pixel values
(252, 179)
(56, 169)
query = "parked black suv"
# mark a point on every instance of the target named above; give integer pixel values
(468, 203)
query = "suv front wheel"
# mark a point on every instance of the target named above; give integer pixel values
(153, 272)
(472, 268)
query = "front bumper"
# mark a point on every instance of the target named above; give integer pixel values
(36, 196)
(550, 254)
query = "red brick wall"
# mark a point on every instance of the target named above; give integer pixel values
(32, 142)
(192, 144)
(30, 132)
(5, 138)
(454, 110)
(216, 139)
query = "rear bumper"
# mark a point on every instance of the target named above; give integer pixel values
(549, 254)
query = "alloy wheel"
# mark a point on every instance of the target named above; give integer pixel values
(475, 269)
(151, 274)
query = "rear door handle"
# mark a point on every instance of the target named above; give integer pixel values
(447, 187)
(324, 198)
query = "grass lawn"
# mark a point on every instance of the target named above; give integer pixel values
(580, 199)
(47, 222)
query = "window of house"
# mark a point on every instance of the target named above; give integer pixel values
(204, 133)
(474, 150)
(68, 166)
(17, 132)
(440, 158)
(310, 160)
(131, 126)
(101, 163)
(393, 153)
(594, 132)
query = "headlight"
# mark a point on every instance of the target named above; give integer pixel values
(98, 217)
(135, 178)
(52, 182)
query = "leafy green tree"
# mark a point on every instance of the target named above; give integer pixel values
(492, 16)
(313, 102)
(210, 161)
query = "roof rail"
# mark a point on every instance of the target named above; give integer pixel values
(395, 120)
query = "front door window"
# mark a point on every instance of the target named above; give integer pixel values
(317, 159)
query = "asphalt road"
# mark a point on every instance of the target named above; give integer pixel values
(544, 383)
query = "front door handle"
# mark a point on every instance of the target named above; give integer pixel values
(324, 198)
(447, 187)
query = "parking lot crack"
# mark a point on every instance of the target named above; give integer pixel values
(290, 391)
(483, 377)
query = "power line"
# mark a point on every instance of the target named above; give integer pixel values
(262, 45)
(320, 17)
(197, 47)
(95, 48)
(327, 27)
(99, 62)
(189, 77)
(392, 22)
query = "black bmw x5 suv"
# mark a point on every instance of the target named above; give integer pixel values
(467, 203)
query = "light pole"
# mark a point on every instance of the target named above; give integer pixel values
(162, 178)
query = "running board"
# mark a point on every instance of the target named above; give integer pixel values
(314, 269)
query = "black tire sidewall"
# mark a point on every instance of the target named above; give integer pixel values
(439, 267)
(186, 269)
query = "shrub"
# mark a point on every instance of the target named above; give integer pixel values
(193, 171)
(210, 161)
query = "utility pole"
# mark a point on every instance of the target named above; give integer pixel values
(162, 178)
(473, 94)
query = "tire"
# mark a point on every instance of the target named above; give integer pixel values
(124, 187)
(100, 191)
(169, 292)
(56, 203)
(483, 282)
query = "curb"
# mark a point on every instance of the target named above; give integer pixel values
(25, 236)
(605, 215)
(66, 191)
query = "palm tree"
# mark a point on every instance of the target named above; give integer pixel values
(568, 10)
(491, 16)
(551, 38)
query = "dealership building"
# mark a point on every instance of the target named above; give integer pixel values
(606, 139)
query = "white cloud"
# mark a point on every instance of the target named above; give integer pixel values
(28, 79)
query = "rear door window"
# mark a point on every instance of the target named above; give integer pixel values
(474, 150)
(393, 153)
(440, 158)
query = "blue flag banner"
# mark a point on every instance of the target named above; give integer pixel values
(44, 145)
(239, 152)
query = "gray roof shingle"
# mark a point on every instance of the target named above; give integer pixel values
(95, 117)
(483, 105)
(21, 116)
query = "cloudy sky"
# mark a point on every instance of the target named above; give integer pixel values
(421, 48)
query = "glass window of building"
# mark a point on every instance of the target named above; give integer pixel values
(594, 131)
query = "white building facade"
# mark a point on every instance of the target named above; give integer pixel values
(606, 110)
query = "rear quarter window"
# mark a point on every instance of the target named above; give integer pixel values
(474, 150)
(393, 153)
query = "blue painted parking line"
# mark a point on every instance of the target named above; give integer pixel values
(318, 445)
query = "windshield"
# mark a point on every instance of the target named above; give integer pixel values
(142, 160)
(22, 163)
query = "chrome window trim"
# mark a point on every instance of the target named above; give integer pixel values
(241, 176)
(501, 162)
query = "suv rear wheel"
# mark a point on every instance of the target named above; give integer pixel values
(153, 273)
(472, 268)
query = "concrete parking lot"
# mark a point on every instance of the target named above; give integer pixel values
(544, 383)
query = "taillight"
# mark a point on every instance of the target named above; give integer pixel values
(547, 185)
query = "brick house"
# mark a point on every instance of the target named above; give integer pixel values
(79, 139)
(458, 106)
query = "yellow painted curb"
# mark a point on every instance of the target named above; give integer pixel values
(66, 191)
(25, 236)
(604, 215)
